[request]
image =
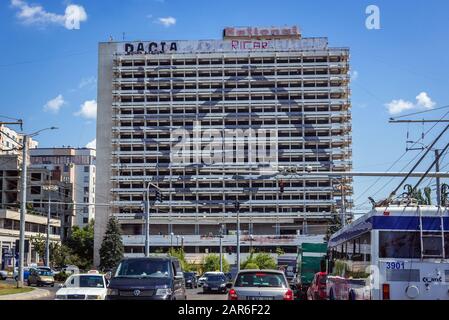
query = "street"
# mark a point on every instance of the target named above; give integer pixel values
(192, 294)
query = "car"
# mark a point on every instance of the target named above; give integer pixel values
(317, 289)
(260, 285)
(191, 281)
(149, 278)
(201, 280)
(26, 273)
(215, 282)
(3, 275)
(40, 277)
(84, 286)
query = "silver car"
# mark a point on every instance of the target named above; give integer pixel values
(260, 285)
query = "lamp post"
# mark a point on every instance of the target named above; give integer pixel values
(23, 203)
(220, 235)
(171, 240)
(48, 188)
(177, 241)
(182, 243)
(237, 209)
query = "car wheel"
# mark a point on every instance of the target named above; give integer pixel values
(331, 295)
(28, 283)
(351, 295)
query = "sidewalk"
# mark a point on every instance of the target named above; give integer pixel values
(32, 295)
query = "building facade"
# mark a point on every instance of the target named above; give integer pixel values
(11, 141)
(74, 167)
(37, 208)
(210, 123)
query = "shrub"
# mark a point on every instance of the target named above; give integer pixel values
(61, 276)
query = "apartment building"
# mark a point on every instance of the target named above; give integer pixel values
(255, 81)
(36, 217)
(75, 167)
(11, 141)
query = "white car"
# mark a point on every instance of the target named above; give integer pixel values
(3, 275)
(87, 286)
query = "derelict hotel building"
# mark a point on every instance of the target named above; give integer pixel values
(254, 78)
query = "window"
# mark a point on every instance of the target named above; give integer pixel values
(86, 179)
(85, 220)
(86, 168)
(399, 244)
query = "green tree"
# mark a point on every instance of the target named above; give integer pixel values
(259, 261)
(251, 265)
(279, 251)
(212, 263)
(81, 244)
(179, 253)
(265, 261)
(111, 251)
(38, 243)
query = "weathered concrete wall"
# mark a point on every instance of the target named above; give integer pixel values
(104, 148)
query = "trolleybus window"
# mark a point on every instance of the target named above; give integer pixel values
(399, 244)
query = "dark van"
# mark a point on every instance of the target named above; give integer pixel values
(152, 278)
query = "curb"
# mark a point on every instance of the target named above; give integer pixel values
(32, 295)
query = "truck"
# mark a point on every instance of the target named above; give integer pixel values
(311, 259)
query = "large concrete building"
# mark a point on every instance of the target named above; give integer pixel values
(163, 104)
(75, 167)
(37, 208)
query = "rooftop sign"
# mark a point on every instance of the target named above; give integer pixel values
(211, 46)
(262, 33)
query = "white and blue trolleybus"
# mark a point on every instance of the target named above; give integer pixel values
(396, 252)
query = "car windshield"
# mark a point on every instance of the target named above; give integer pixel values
(143, 268)
(260, 279)
(44, 273)
(216, 278)
(189, 275)
(86, 282)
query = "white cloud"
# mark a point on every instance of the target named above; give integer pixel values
(87, 82)
(88, 110)
(166, 22)
(397, 106)
(54, 105)
(35, 14)
(422, 101)
(92, 144)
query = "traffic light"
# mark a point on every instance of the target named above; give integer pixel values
(281, 186)
(158, 195)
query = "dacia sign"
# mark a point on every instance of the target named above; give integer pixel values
(150, 47)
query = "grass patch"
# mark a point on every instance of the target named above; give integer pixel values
(11, 289)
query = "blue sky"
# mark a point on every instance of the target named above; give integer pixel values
(43, 61)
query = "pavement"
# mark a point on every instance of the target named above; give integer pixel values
(49, 293)
(43, 293)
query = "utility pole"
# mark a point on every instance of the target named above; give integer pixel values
(147, 224)
(437, 169)
(237, 209)
(23, 210)
(221, 248)
(49, 188)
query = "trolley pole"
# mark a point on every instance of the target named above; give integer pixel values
(437, 179)
(237, 209)
(147, 224)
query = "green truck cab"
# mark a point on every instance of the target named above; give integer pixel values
(311, 259)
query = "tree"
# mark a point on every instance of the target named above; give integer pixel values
(38, 243)
(81, 244)
(265, 261)
(111, 251)
(212, 263)
(179, 253)
(279, 251)
(259, 261)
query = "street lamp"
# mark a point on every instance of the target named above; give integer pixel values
(182, 243)
(237, 209)
(48, 188)
(177, 241)
(171, 240)
(220, 235)
(23, 202)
